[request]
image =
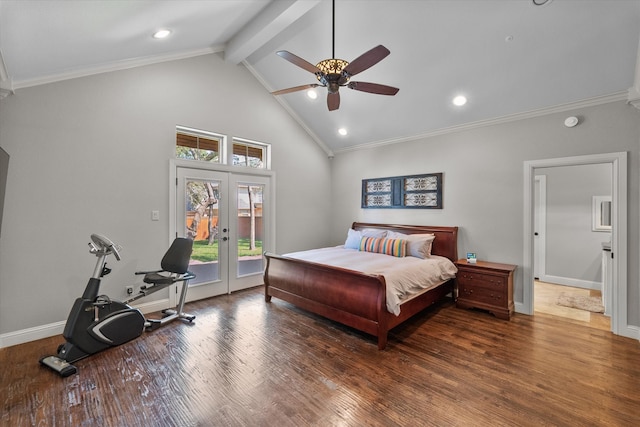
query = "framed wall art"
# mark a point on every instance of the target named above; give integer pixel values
(408, 192)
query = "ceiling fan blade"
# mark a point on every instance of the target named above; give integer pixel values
(294, 89)
(366, 60)
(373, 88)
(333, 101)
(296, 60)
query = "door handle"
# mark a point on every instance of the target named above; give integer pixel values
(225, 238)
(224, 230)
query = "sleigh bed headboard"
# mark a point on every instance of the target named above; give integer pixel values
(445, 243)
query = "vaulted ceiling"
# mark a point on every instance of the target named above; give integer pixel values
(510, 58)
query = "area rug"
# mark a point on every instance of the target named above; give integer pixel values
(581, 302)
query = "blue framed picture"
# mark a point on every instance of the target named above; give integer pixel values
(408, 192)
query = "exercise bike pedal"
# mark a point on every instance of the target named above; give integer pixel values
(62, 367)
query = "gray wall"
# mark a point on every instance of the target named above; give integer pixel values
(92, 155)
(483, 180)
(573, 249)
(4, 168)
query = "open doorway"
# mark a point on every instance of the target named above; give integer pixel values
(568, 247)
(618, 162)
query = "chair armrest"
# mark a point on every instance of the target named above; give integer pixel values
(188, 276)
(147, 272)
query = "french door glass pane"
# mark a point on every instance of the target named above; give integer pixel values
(202, 205)
(250, 228)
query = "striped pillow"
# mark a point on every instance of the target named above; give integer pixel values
(393, 247)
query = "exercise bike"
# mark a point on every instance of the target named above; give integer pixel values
(96, 323)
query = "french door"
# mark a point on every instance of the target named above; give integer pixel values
(228, 217)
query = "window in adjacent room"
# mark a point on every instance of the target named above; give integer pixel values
(251, 154)
(194, 144)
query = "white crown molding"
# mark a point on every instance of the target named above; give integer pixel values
(6, 87)
(634, 91)
(619, 96)
(115, 66)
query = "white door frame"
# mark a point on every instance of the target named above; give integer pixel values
(618, 161)
(269, 227)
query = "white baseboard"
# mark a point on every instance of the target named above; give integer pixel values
(567, 281)
(520, 308)
(31, 334)
(53, 329)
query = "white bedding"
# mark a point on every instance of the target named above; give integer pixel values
(404, 276)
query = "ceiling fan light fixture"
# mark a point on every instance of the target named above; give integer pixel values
(332, 66)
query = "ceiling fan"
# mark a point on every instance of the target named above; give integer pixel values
(334, 73)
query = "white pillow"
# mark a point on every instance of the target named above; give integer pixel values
(418, 245)
(374, 232)
(353, 239)
(354, 236)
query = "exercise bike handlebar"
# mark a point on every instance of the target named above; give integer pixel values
(102, 245)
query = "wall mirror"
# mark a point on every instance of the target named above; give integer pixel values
(601, 213)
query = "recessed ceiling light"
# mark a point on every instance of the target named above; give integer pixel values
(312, 94)
(161, 34)
(342, 131)
(459, 100)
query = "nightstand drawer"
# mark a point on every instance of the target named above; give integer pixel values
(488, 281)
(482, 295)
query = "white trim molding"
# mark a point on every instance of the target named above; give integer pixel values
(619, 291)
(53, 329)
(6, 86)
(633, 96)
(574, 283)
(590, 102)
(114, 66)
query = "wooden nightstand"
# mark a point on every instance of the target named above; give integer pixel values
(486, 285)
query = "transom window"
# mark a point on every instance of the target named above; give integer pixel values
(250, 153)
(195, 144)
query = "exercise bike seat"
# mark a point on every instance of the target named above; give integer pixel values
(174, 264)
(158, 279)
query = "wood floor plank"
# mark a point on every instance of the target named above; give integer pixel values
(244, 362)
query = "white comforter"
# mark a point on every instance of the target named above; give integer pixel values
(404, 276)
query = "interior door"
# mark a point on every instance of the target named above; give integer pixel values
(227, 216)
(539, 227)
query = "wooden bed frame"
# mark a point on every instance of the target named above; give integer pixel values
(350, 297)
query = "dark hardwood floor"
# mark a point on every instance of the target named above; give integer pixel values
(244, 362)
